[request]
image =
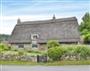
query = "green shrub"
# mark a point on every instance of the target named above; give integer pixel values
(52, 43)
(55, 53)
(68, 53)
(82, 51)
(87, 38)
(4, 47)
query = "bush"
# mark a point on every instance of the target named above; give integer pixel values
(76, 52)
(69, 52)
(55, 53)
(4, 47)
(87, 38)
(82, 51)
(52, 43)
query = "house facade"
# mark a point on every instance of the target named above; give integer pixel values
(35, 34)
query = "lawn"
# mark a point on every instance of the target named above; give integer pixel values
(54, 63)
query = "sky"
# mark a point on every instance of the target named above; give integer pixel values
(28, 10)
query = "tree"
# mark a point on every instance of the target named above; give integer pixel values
(4, 37)
(85, 28)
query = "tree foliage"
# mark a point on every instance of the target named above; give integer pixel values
(4, 37)
(85, 27)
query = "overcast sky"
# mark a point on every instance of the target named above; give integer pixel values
(11, 10)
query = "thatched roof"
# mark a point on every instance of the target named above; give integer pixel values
(63, 30)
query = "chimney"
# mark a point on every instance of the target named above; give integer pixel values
(18, 21)
(54, 18)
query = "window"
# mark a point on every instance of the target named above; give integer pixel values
(21, 46)
(34, 36)
(34, 43)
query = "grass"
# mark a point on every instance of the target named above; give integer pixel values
(55, 63)
(17, 63)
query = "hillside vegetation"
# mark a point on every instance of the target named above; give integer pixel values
(4, 37)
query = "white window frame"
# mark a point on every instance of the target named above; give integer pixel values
(32, 36)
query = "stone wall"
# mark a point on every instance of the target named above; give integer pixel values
(10, 57)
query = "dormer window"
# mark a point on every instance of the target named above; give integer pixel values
(34, 36)
(21, 46)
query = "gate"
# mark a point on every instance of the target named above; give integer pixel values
(41, 58)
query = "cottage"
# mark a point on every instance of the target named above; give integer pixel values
(34, 34)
